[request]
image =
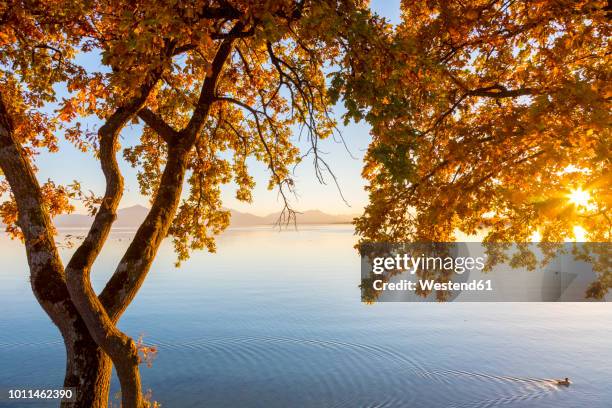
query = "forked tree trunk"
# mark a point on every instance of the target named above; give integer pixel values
(66, 294)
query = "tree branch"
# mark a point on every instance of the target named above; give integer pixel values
(120, 348)
(136, 262)
(155, 122)
(83, 258)
(209, 85)
(500, 91)
(280, 181)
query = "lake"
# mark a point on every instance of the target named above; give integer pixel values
(274, 319)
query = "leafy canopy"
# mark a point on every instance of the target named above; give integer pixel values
(273, 82)
(492, 118)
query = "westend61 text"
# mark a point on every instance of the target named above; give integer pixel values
(429, 285)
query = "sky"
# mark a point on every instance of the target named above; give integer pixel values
(70, 164)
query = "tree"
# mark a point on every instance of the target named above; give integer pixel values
(209, 80)
(37, 44)
(493, 117)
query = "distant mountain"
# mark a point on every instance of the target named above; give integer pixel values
(132, 217)
(240, 219)
(72, 221)
(126, 218)
(313, 217)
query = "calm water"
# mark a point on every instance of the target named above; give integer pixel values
(274, 320)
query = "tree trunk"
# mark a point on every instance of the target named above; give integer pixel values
(88, 371)
(129, 377)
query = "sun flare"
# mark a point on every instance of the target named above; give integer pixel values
(580, 198)
(580, 234)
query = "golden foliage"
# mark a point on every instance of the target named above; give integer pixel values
(490, 116)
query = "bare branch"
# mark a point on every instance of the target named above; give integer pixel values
(287, 215)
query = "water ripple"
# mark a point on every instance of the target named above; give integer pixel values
(341, 368)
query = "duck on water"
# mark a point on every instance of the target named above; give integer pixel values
(565, 382)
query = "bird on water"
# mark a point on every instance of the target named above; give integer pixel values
(565, 382)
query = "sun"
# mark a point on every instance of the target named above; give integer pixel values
(580, 234)
(580, 198)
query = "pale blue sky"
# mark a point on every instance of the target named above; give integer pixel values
(70, 164)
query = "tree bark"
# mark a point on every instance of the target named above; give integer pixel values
(88, 370)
